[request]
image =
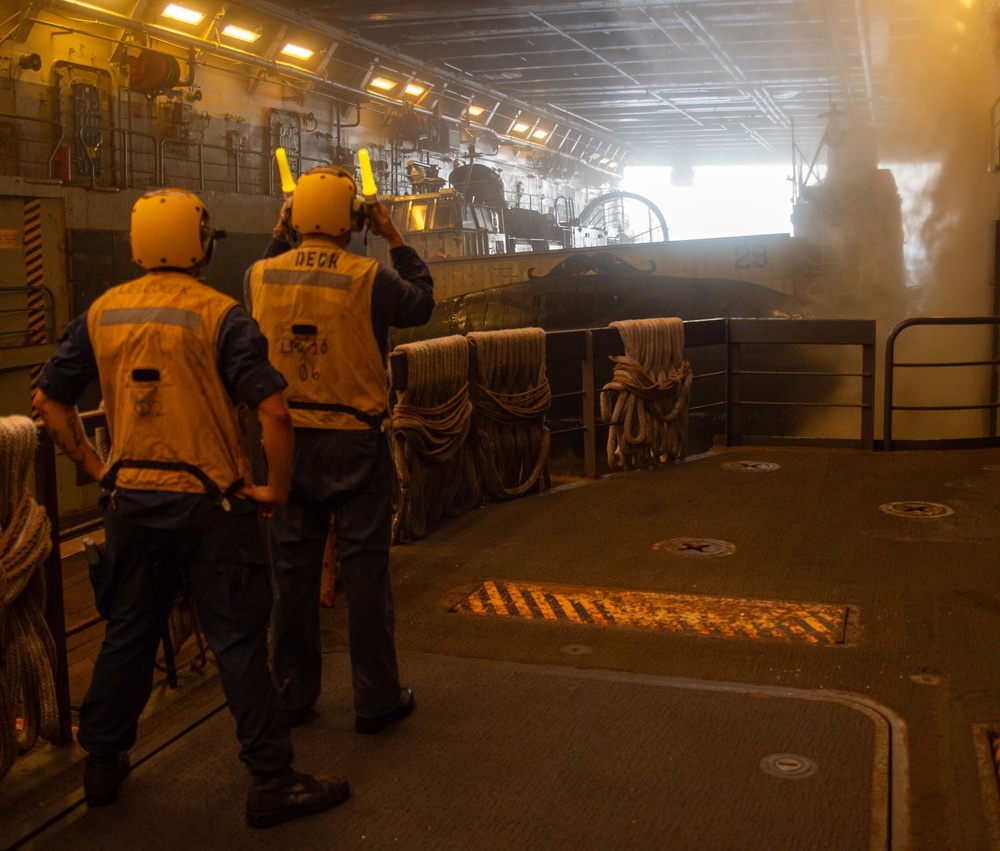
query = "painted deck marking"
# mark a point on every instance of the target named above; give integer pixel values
(727, 617)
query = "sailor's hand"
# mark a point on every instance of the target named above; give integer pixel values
(380, 223)
(285, 213)
(266, 497)
(283, 229)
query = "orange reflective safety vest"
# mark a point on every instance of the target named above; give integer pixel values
(172, 424)
(313, 304)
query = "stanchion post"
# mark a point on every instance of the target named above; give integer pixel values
(47, 495)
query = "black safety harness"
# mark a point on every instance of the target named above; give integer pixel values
(219, 496)
(370, 420)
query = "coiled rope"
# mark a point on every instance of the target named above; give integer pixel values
(435, 468)
(646, 402)
(511, 398)
(27, 649)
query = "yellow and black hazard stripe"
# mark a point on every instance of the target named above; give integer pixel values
(34, 277)
(726, 617)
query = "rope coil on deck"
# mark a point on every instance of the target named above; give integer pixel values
(27, 649)
(511, 397)
(435, 468)
(646, 402)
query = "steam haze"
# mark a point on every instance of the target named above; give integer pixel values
(940, 149)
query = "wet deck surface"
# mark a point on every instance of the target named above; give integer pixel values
(549, 732)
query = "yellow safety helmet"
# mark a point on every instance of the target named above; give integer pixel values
(326, 201)
(170, 230)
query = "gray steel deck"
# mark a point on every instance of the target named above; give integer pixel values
(535, 733)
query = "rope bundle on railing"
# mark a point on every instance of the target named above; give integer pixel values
(27, 649)
(646, 402)
(435, 468)
(511, 397)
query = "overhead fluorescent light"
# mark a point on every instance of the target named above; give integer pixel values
(540, 134)
(520, 127)
(414, 89)
(240, 33)
(475, 110)
(297, 51)
(185, 16)
(382, 83)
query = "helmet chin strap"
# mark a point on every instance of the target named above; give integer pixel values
(359, 214)
(213, 236)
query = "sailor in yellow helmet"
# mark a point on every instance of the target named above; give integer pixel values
(174, 358)
(326, 312)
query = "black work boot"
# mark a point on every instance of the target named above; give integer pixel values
(377, 723)
(102, 776)
(287, 794)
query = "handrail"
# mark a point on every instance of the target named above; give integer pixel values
(50, 123)
(267, 162)
(47, 495)
(719, 378)
(891, 365)
(819, 332)
(124, 147)
(26, 333)
(200, 147)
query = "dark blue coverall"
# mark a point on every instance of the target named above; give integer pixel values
(349, 474)
(157, 540)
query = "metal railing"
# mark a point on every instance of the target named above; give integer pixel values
(16, 325)
(115, 165)
(45, 166)
(578, 364)
(892, 365)
(46, 494)
(120, 156)
(812, 334)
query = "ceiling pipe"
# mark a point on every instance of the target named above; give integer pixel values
(838, 52)
(758, 94)
(610, 64)
(861, 14)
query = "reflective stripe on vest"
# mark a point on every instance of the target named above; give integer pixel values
(162, 315)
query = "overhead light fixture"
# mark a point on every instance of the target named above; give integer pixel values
(540, 134)
(382, 83)
(475, 111)
(297, 51)
(241, 34)
(520, 127)
(414, 90)
(604, 160)
(185, 16)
